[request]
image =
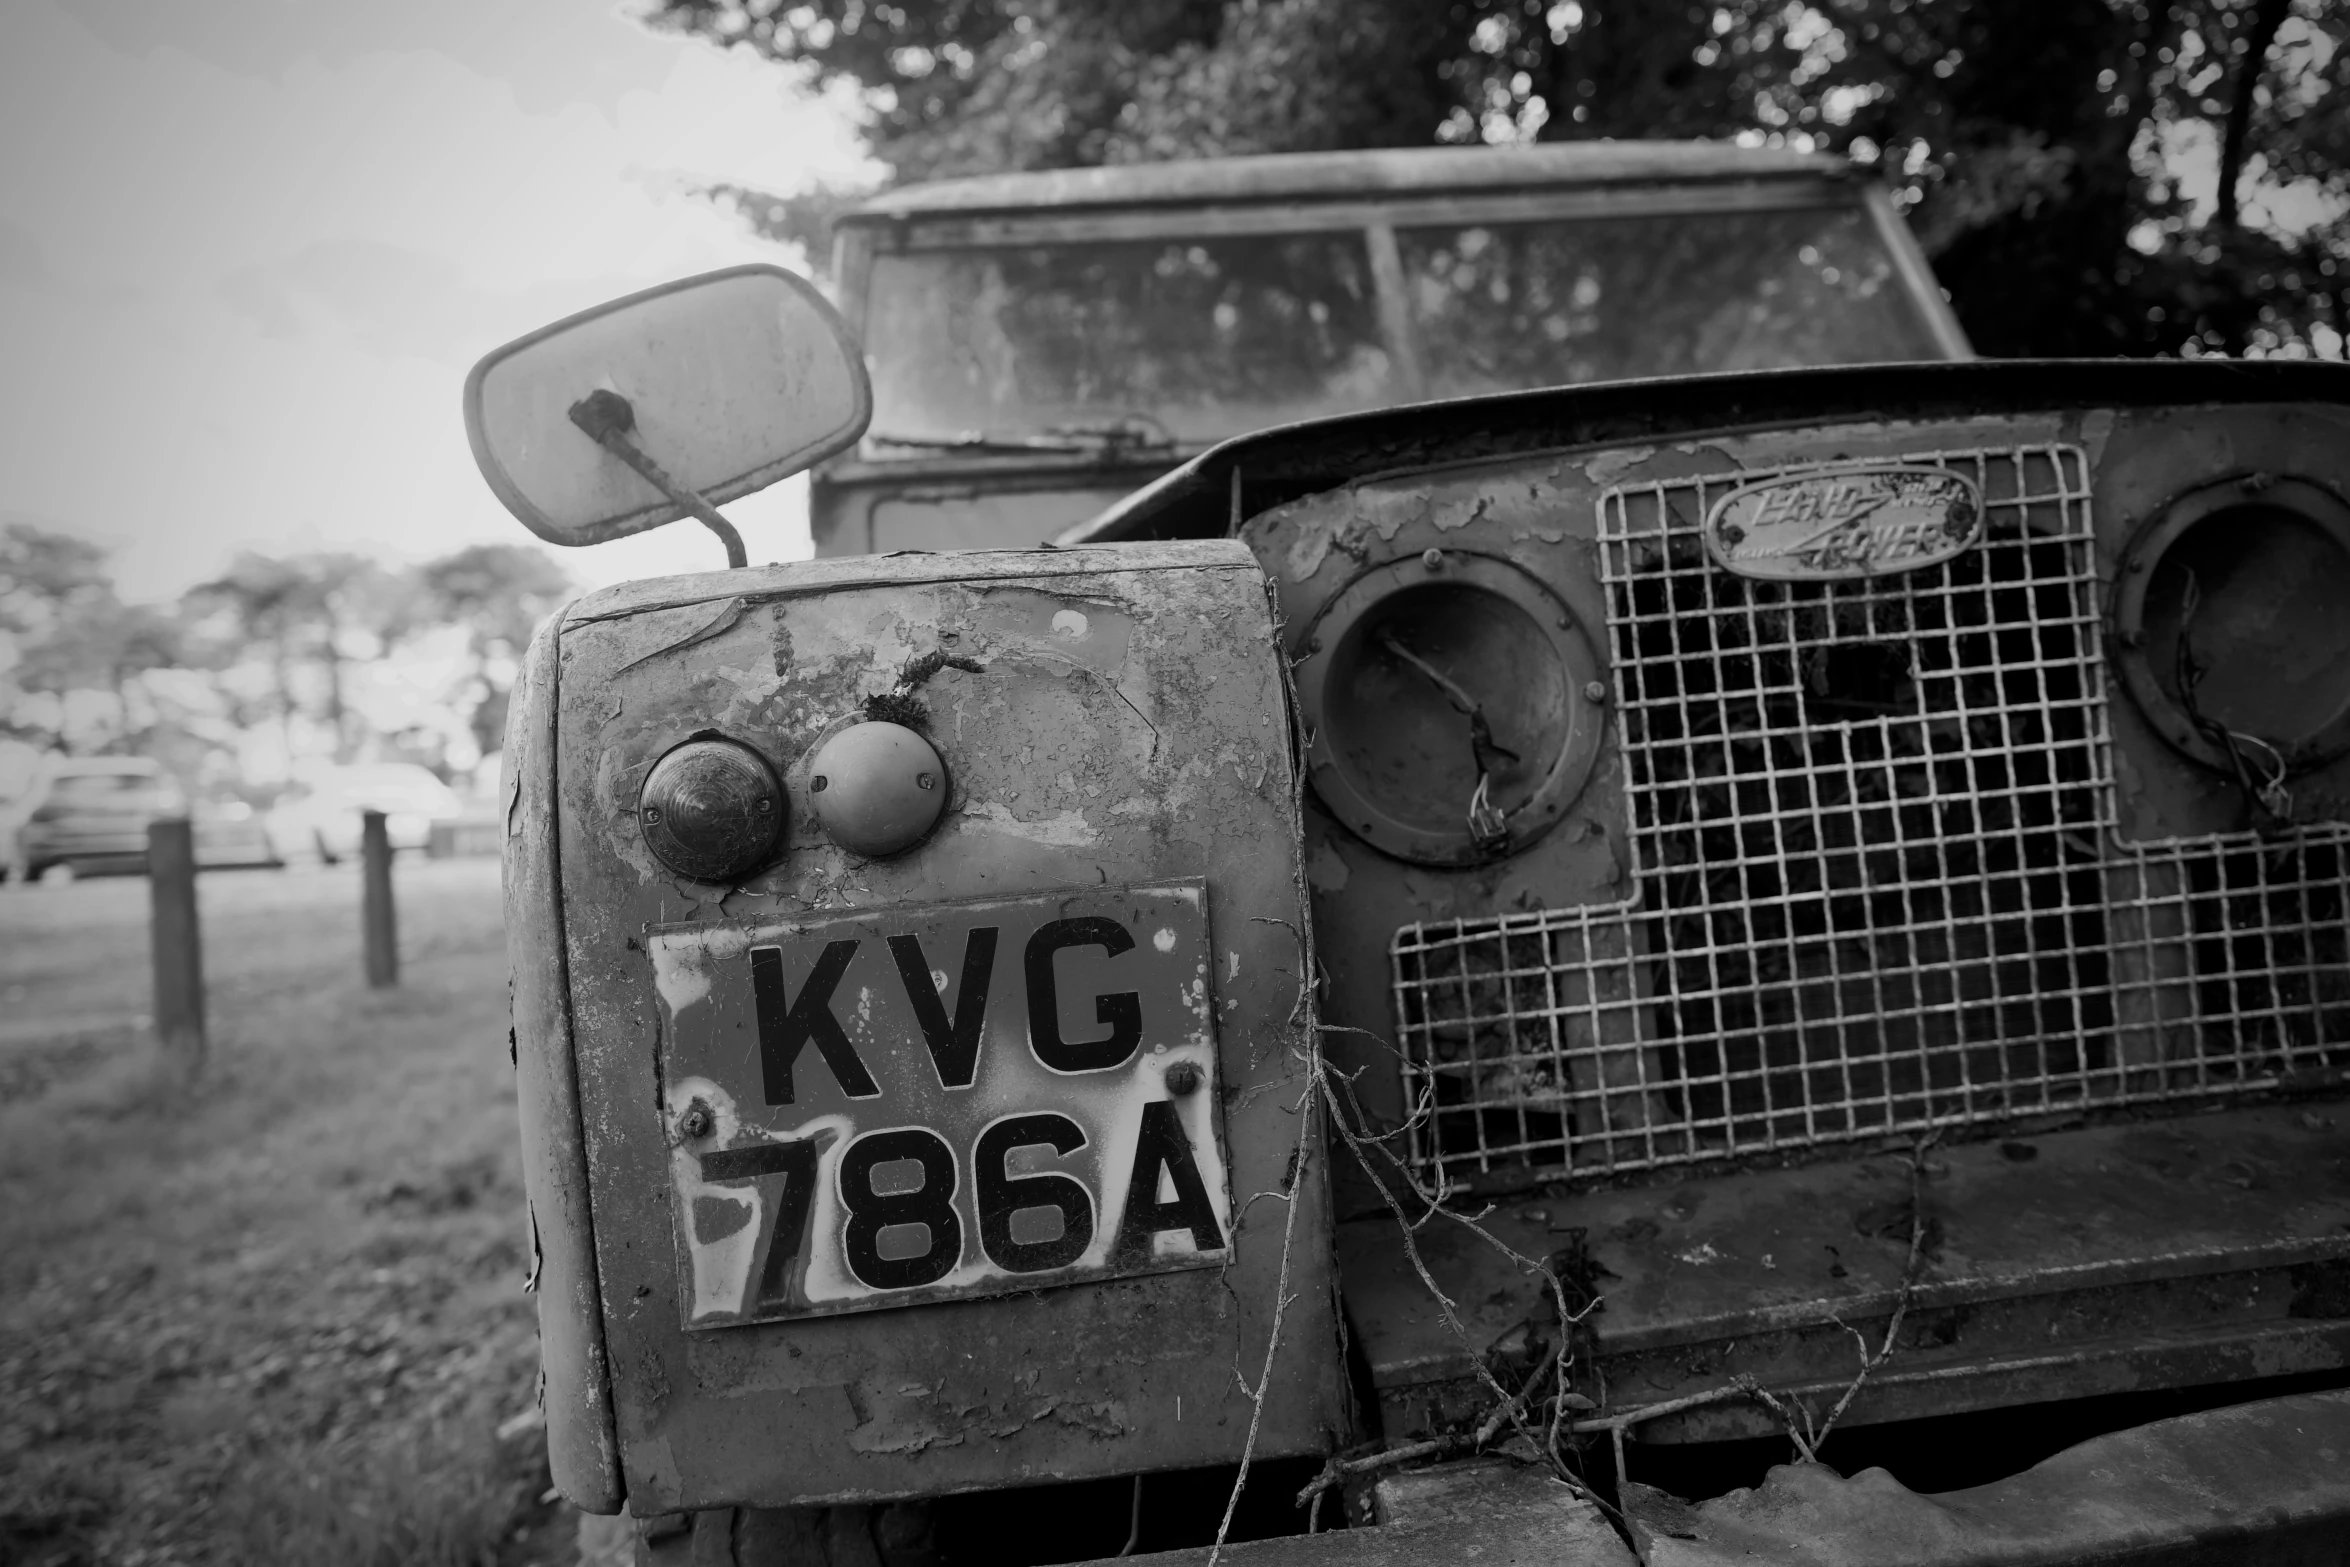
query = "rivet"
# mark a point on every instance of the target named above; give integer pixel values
(652, 813)
(1595, 690)
(765, 804)
(1433, 559)
(1182, 1079)
(925, 781)
(1314, 643)
(2137, 563)
(816, 784)
(696, 1122)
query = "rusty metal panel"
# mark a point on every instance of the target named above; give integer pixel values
(2092, 1259)
(1109, 720)
(582, 1451)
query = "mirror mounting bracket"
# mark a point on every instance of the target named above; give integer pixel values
(607, 419)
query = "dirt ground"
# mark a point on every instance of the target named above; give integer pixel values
(276, 1316)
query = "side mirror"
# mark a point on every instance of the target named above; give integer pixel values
(624, 417)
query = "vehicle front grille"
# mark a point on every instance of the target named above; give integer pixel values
(1874, 879)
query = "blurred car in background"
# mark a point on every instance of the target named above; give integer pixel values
(89, 813)
(229, 834)
(85, 815)
(320, 816)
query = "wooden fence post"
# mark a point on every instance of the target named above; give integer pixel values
(178, 946)
(380, 928)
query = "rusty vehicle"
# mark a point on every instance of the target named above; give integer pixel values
(1042, 344)
(1559, 936)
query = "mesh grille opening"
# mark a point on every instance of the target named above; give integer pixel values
(1874, 885)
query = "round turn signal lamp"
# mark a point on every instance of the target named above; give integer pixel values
(712, 810)
(877, 787)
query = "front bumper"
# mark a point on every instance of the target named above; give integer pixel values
(2056, 1264)
(2266, 1482)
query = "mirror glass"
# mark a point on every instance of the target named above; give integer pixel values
(736, 379)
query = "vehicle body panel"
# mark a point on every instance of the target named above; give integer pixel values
(1126, 721)
(2079, 1239)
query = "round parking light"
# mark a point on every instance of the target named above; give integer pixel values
(877, 787)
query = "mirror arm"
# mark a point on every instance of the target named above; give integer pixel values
(610, 422)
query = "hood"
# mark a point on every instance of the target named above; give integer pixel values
(1206, 497)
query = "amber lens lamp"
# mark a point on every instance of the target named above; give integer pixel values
(712, 810)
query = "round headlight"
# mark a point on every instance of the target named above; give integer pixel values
(1455, 707)
(2230, 624)
(712, 810)
(877, 787)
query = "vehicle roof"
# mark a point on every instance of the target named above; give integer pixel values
(1382, 171)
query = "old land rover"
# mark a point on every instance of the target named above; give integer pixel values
(1568, 937)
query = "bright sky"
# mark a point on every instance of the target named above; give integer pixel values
(249, 248)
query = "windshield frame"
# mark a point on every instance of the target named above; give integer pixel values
(860, 240)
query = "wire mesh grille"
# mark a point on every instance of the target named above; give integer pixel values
(1875, 882)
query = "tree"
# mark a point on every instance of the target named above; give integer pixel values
(68, 632)
(300, 613)
(2043, 146)
(499, 593)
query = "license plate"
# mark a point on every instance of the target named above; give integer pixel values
(894, 1106)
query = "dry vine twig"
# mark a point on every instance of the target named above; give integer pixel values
(1508, 1409)
(1791, 1411)
(1909, 1284)
(1302, 1009)
(1318, 1085)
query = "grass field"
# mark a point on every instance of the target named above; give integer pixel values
(276, 1316)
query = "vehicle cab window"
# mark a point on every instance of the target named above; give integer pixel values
(1040, 344)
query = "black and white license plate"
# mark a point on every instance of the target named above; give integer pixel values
(891, 1106)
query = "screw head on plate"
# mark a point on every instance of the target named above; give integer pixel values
(877, 787)
(1183, 1078)
(712, 810)
(697, 1121)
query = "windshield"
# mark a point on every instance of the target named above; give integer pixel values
(1108, 346)
(1201, 338)
(1500, 308)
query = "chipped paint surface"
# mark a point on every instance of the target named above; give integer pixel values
(1119, 730)
(1068, 829)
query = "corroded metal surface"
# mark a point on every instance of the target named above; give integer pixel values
(2267, 1482)
(1124, 726)
(582, 1451)
(2102, 1259)
(1252, 473)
